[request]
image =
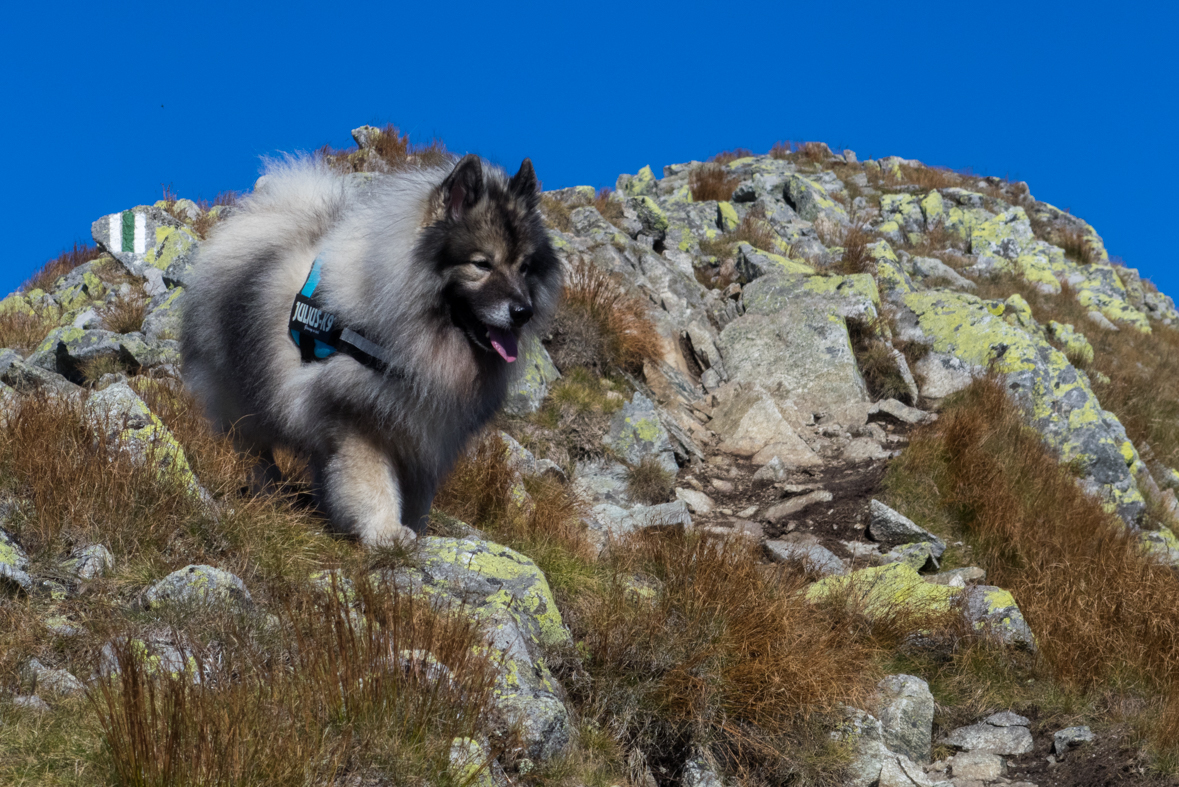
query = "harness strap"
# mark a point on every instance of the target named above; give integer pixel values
(319, 334)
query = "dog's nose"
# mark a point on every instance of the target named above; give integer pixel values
(520, 315)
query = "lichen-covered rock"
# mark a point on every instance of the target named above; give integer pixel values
(199, 586)
(906, 716)
(814, 557)
(531, 385)
(130, 235)
(1003, 236)
(469, 763)
(637, 185)
(1076, 347)
(90, 562)
(1008, 741)
(754, 263)
(124, 420)
(510, 596)
(802, 318)
(882, 590)
(45, 680)
(994, 611)
(1056, 399)
(163, 321)
(636, 433)
(13, 565)
(609, 522)
(811, 201)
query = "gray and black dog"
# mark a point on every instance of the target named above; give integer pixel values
(372, 329)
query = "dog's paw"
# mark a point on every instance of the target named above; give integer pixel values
(395, 536)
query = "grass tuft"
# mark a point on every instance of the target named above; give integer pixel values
(647, 482)
(712, 182)
(50, 272)
(599, 326)
(125, 313)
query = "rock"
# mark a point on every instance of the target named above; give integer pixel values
(144, 237)
(753, 263)
(607, 522)
(906, 715)
(864, 449)
(90, 562)
(891, 528)
(121, 418)
(469, 761)
(811, 201)
(30, 703)
(697, 502)
(637, 433)
(701, 771)
(1003, 236)
(201, 586)
(959, 577)
(602, 481)
(993, 610)
(1007, 741)
(882, 591)
(803, 319)
(1070, 738)
(977, 765)
(13, 563)
(51, 681)
(163, 321)
(1076, 347)
(814, 557)
(523, 463)
(776, 513)
(772, 472)
(748, 420)
(510, 596)
(530, 386)
(163, 651)
(919, 556)
(900, 411)
(1007, 719)
(933, 268)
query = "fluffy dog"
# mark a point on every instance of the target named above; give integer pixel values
(372, 329)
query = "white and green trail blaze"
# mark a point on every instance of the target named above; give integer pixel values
(129, 231)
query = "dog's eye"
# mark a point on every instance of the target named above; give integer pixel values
(524, 268)
(481, 263)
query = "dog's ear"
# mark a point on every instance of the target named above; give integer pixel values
(463, 186)
(524, 184)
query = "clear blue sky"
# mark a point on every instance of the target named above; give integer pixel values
(106, 103)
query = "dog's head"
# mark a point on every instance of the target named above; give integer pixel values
(486, 240)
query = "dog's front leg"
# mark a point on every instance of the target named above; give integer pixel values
(361, 492)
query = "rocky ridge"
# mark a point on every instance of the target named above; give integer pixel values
(757, 407)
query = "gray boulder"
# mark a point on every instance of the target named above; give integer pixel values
(530, 386)
(197, 585)
(90, 562)
(814, 556)
(511, 599)
(1070, 738)
(636, 433)
(906, 715)
(1008, 741)
(891, 528)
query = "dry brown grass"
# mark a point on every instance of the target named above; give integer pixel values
(391, 150)
(647, 482)
(344, 691)
(878, 366)
(1100, 611)
(809, 152)
(855, 243)
(1076, 245)
(608, 206)
(598, 325)
(60, 265)
(125, 313)
(690, 640)
(728, 156)
(557, 214)
(929, 178)
(712, 182)
(24, 330)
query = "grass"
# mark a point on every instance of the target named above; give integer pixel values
(809, 152)
(753, 229)
(1101, 612)
(711, 182)
(599, 326)
(60, 265)
(125, 313)
(341, 691)
(877, 364)
(558, 213)
(647, 482)
(728, 156)
(23, 331)
(390, 150)
(688, 642)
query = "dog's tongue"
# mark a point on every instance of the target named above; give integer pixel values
(504, 343)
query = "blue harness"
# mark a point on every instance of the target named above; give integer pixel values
(319, 334)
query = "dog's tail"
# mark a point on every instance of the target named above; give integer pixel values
(300, 199)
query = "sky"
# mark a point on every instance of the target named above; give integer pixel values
(108, 104)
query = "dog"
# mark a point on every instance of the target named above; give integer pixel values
(371, 328)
